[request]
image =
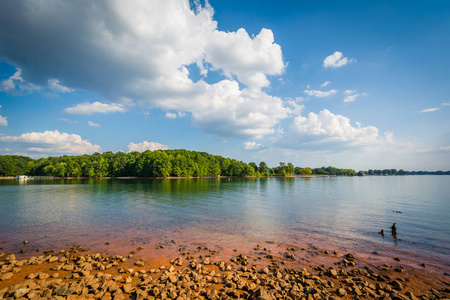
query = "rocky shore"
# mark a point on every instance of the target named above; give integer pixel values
(199, 273)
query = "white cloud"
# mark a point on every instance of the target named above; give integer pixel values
(5, 149)
(445, 104)
(143, 146)
(231, 112)
(433, 109)
(171, 115)
(3, 121)
(252, 146)
(349, 92)
(95, 107)
(15, 84)
(138, 53)
(335, 60)
(325, 83)
(92, 124)
(327, 129)
(249, 58)
(53, 142)
(352, 95)
(320, 94)
(55, 85)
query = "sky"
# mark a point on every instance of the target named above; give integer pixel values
(351, 84)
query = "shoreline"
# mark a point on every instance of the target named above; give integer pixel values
(171, 177)
(266, 271)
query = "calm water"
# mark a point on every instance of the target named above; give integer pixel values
(337, 212)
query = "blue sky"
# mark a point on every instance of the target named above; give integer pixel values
(353, 84)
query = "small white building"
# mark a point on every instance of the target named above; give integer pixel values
(21, 177)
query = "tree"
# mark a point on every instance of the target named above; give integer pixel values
(305, 171)
(254, 166)
(290, 169)
(263, 169)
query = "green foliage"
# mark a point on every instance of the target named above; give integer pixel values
(13, 165)
(160, 163)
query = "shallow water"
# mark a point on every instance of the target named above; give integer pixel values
(334, 212)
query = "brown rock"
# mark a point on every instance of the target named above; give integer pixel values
(127, 288)
(6, 276)
(342, 292)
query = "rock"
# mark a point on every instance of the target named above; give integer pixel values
(342, 292)
(263, 294)
(411, 295)
(63, 292)
(332, 272)
(43, 276)
(21, 292)
(25, 242)
(127, 288)
(140, 263)
(396, 285)
(6, 276)
(265, 270)
(10, 257)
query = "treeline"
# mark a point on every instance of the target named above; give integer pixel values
(160, 163)
(385, 172)
(428, 173)
(284, 169)
(167, 163)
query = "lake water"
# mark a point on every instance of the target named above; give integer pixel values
(343, 213)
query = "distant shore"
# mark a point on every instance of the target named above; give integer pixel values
(171, 177)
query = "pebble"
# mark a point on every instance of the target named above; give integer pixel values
(87, 280)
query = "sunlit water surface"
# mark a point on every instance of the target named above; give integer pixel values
(334, 212)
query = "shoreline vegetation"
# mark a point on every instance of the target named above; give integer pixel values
(168, 164)
(177, 271)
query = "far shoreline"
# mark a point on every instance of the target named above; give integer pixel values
(170, 177)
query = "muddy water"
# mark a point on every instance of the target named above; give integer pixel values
(331, 213)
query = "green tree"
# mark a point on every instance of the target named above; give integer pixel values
(263, 167)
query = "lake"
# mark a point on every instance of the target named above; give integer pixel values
(343, 213)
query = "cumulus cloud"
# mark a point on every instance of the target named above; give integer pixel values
(250, 59)
(139, 52)
(95, 107)
(320, 94)
(53, 142)
(92, 124)
(56, 86)
(3, 121)
(252, 146)
(328, 129)
(231, 112)
(325, 83)
(143, 146)
(352, 95)
(433, 109)
(335, 60)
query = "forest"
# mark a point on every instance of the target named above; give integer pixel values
(159, 163)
